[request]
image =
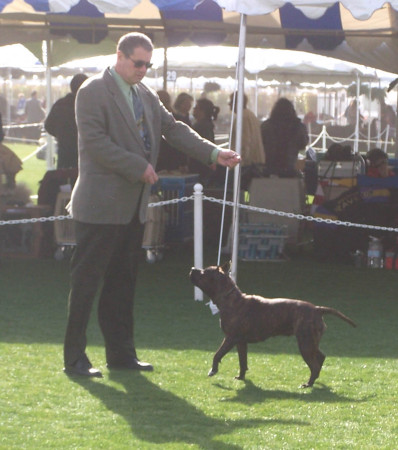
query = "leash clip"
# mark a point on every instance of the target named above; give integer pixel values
(213, 308)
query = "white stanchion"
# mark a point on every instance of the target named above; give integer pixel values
(324, 138)
(198, 234)
(387, 130)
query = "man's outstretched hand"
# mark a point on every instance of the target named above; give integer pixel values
(228, 158)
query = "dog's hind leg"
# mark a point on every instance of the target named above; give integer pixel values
(311, 354)
(242, 352)
(226, 345)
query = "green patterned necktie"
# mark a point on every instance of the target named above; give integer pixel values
(139, 118)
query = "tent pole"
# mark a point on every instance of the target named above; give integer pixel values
(370, 114)
(165, 68)
(396, 132)
(46, 48)
(9, 96)
(357, 117)
(238, 144)
(256, 97)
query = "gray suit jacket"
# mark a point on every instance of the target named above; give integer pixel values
(112, 155)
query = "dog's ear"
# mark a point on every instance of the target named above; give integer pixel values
(226, 267)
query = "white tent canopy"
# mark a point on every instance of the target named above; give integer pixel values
(360, 9)
(359, 31)
(268, 64)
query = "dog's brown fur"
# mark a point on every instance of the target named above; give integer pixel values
(250, 318)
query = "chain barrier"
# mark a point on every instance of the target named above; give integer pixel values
(302, 216)
(220, 201)
(380, 139)
(33, 220)
(33, 153)
(68, 217)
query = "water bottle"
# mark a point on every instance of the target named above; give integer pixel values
(375, 253)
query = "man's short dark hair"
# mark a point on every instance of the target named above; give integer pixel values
(130, 41)
(77, 81)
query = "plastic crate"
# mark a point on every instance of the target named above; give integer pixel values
(179, 216)
(262, 242)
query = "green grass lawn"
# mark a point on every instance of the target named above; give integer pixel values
(352, 405)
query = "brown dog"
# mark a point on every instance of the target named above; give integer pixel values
(250, 318)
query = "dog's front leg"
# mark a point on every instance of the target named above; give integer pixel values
(226, 345)
(242, 352)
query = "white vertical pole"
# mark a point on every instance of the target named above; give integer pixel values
(10, 100)
(198, 234)
(256, 98)
(387, 133)
(324, 138)
(165, 68)
(46, 49)
(356, 142)
(238, 145)
(370, 113)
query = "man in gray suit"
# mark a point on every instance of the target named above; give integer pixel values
(120, 123)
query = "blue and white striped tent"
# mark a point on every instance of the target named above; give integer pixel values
(359, 31)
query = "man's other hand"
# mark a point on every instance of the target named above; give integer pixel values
(149, 176)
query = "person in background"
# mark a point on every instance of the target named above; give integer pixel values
(252, 151)
(387, 118)
(33, 109)
(165, 98)
(3, 107)
(2, 135)
(10, 165)
(204, 113)
(182, 107)
(283, 135)
(61, 124)
(351, 113)
(120, 122)
(20, 108)
(377, 164)
(170, 159)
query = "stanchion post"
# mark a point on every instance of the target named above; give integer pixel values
(198, 234)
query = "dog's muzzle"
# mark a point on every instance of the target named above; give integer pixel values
(195, 274)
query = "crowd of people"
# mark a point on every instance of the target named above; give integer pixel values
(267, 148)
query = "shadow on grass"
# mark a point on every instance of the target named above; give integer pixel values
(252, 394)
(33, 305)
(158, 416)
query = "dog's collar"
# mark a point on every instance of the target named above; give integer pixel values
(230, 291)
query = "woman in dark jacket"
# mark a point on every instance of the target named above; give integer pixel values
(284, 135)
(170, 159)
(1, 130)
(204, 114)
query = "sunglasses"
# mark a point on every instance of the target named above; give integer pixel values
(138, 64)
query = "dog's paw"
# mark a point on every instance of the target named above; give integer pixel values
(238, 377)
(306, 385)
(212, 372)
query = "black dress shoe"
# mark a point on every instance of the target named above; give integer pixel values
(82, 367)
(133, 364)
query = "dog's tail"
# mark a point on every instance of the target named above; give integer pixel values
(335, 312)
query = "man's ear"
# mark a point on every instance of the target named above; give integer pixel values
(226, 267)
